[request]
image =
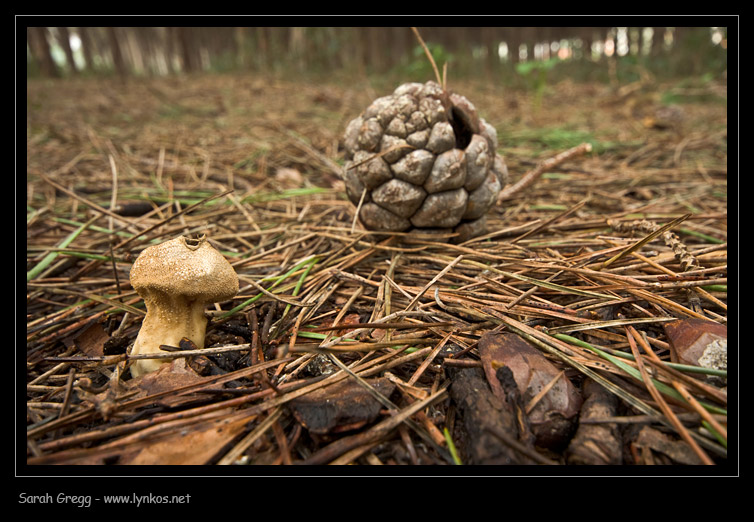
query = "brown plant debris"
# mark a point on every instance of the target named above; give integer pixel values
(417, 343)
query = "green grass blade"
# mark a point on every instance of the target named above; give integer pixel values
(49, 258)
(300, 282)
(633, 372)
(277, 280)
(451, 447)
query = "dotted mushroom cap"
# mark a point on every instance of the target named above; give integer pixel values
(423, 160)
(188, 267)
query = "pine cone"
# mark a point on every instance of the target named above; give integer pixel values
(424, 161)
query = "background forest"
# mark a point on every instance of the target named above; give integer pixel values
(581, 53)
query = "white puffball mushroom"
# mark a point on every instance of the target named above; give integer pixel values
(177, 279)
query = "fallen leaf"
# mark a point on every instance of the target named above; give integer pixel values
(677, 451)
(697, 341)
(92, 340)
(551, 418)
(191, 445)
(340, 407)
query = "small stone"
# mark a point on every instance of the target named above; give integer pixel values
(715, 355)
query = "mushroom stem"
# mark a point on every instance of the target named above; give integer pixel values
(168, 320)
(177, 279)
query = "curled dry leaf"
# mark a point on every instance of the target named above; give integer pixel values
(341, 407)
(168, 377)
(552, 417)
(651, 446)
(698, 342)
(196, 445)
(91, 340)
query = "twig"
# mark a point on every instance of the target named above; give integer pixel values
(429, 56)
(531, 176)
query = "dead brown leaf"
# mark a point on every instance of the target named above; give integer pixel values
(552, 415)
(340, 407)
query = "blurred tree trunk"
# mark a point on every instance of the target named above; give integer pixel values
(658, 40)
(118, 63)
(64, 39)
(263, 47)
(186, 47)
(400, 45)
(353, 45)
(134, 49)
(490, 42)
(170, 38)
(690, 45)
(512, 38)
(375, 48)
(86, 47)
(151, 43)
(296, 47)
(40, 49)
(239, 39)
(587, 40)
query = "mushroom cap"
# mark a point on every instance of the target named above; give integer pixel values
(183, 266)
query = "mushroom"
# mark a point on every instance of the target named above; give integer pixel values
(177, 279)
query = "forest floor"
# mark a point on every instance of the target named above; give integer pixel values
(419, 374)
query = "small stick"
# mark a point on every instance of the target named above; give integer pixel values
(358, 210)
(433, 281)
(429, 56)
(378, 326)
(531, 176)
